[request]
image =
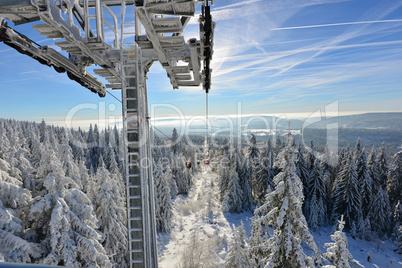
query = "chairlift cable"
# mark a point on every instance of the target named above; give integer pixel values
(113, 96)
(160, 131)
(206, 113)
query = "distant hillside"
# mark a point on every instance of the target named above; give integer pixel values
(389, 121)
(372, 128)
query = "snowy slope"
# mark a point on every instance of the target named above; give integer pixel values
(381, 250)
(201, 211)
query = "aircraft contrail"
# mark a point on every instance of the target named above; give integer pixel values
(335, 24)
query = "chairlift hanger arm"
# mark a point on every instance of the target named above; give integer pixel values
(50, 57)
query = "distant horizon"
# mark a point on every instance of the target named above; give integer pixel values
(166, 121)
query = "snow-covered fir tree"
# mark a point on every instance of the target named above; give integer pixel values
(382, 161)
(366, 183)
(394, 180)
(163, 206)
(347, 198)
(338, 252)
(168, 174)
(381, 213)
(237, 256)
(223, 180)
(14, 202)
(257, 237)
(63, 222)
(245, 185)
(317, 198)
(233, 196)
(283, 211)
(303, 173)
(397, 225)
(110, 211)
(253, 151)
(265, 172)
(373, 170)
(175, 142)
(180, 174)
(253, 154)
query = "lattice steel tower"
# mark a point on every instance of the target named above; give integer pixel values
(139, 33)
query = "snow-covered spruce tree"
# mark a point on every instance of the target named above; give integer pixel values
(93, 152)
(232, 163)
(278, 146)
(373, 170)
(77, 143)
(366, 183)
(110, 211)
(257, 236)
(70, 168)
(380, 215)
(176, 145)
(236, 158)
(168, 174)
(328, 180)
(223, 180)
(347, 199)
(14, 201)
(265, 182)
(283, 210)
(268, 153)
(317, 198)
(232, 201)
(338, 252)
(382, 162)
(265, 172)
(397, 227)
(237, 256)
(310, 160)
(399, 249)
(25, 169)
(42, 131)
(394, 180)
(197, 252)
(253, 151)
(303, 173)
(245, 185)
(62, 220)
(163, 205)
(253, 158)
(180, 175)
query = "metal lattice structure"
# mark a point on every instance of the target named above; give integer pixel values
(124, 38)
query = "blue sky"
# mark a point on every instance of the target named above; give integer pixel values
(275, 57)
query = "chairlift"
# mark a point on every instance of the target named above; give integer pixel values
(206, 162)
(188, 164)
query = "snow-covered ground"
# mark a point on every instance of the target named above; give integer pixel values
(199, 218)
(199, 213)
(381, 251)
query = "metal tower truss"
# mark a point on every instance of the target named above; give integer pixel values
(123, 38)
